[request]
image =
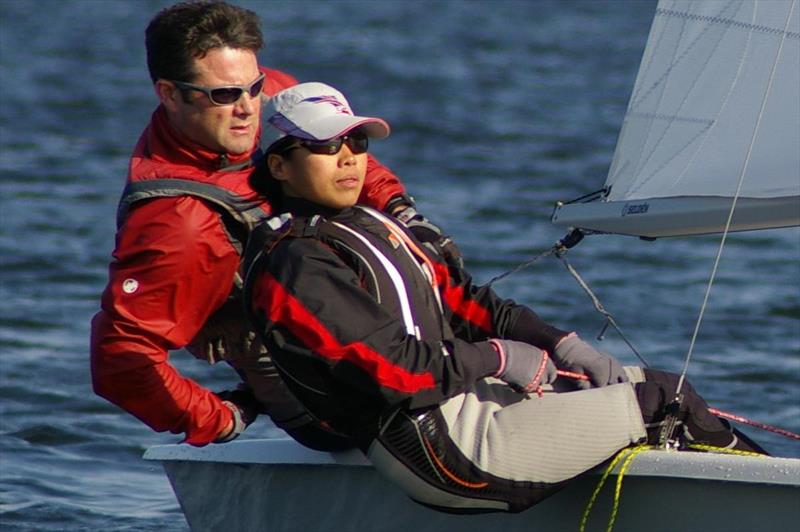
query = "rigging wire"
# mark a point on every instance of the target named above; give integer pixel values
(599, 306)
(560, 249)
(570, 240)
(522, 266)
(733, 204)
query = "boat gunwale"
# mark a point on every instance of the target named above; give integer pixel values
(650, 463)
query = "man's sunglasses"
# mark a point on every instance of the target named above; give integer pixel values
(225, 95)
(357, 141)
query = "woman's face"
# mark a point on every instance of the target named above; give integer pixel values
(333, 181)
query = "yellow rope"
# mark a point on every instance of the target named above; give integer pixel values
(628, 452)
(626, 456)
(618, 489)
(723, 450)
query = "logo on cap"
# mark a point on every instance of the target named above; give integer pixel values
(339, 106)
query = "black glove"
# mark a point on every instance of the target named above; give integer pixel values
(429, 234)
(244, 407)
(574, 354)
(524, 366)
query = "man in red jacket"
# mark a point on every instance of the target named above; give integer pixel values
(183, 219)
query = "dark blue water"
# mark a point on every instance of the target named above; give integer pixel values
(498, 110)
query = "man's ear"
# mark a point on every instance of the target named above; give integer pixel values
(277, 167)
(168, 94)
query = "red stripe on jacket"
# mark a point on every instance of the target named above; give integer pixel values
(461, 305)
(284, 309)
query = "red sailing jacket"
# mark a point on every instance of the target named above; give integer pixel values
(173, 267)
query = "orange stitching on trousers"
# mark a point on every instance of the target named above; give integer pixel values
(450, 475)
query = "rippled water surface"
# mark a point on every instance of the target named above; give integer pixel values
(498, 109)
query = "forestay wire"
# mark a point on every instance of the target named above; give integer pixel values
(742, 173)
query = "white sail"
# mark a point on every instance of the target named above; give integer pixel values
(716, 102)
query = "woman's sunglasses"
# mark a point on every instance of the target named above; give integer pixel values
(357, 141)
(225, 95)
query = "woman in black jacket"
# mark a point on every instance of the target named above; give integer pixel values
(451, 391)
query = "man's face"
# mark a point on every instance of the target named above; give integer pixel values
(221, 128)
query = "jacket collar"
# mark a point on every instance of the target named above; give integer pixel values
(303, 207)
(165, 144)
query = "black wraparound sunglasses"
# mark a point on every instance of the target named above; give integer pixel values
(357, 141)
(226, 95)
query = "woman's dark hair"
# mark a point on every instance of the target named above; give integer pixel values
(188, 30)
(261, 179)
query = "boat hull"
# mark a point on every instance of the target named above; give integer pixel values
(276, 485)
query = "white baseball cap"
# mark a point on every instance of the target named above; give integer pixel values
(313, 111)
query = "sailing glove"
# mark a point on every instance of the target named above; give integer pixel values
(523, 366)
(575, 355)
(245, 408)
(429, 234)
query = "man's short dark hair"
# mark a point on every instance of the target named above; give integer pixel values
(188, 30)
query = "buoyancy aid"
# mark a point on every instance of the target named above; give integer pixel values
(379, 274)
(239, 214)
(220, 182)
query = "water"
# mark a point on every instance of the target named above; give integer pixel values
(498, 109)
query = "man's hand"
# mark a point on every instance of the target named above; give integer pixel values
(243, 406)
(523, 366)
(573, 354)
(226, 335)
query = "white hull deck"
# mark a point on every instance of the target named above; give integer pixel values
(277, 485)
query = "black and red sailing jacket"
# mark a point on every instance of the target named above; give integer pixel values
(361, 319)
(174, 265)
